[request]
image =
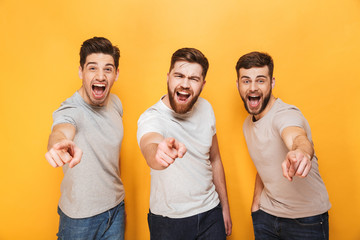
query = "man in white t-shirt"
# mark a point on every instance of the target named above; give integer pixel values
(177, 136)
(290, 199)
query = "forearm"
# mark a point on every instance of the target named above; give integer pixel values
(302, 143)
(149, 144)
(220, 183)
(259, 186)
(295, 138)
(149, 153)
(61, 132)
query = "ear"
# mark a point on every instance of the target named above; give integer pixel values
(117, 74)
(80, 72)
(167, 77)
(237, 83)
(203, 84)
(273, 83)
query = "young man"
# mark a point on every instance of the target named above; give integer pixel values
(280, 144)
(177, 137)
(85, 140)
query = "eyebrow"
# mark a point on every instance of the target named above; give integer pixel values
(192, 76)
(95, 63)
(258, 76)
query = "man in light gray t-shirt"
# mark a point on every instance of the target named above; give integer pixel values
(177, 137)
(85, 140)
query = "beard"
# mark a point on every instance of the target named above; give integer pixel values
(181, 108)
(263, 104)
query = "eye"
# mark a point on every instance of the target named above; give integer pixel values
(194, 79)
(108, 70)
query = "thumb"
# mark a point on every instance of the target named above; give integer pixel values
(293, 162)
(181, 150)
(77, 154)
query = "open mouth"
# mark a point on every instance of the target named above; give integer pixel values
(182, 96)
(98, 89)
(254, 101)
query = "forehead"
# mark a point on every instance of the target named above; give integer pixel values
(99, 58)
(187, 68)
(254, 72)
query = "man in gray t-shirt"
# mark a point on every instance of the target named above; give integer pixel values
(177, 137)
(85, 141)
(290, 199)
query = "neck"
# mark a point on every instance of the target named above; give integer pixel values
(166, 100)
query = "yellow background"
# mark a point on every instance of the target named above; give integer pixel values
(315, 46)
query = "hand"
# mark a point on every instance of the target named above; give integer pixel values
(227, 222)
(168, 150)
(296, 163)
(255, 207)
(64, 152)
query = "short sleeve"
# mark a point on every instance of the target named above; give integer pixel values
(289, 117)
(150, 121)
(212, 120)
(65, 114)
(117, 104)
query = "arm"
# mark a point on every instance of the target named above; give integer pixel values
(160, 152)
(301, 151)
(220, 183)
(259, 186)
(61, 148)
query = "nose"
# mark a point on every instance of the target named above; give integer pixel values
(185, 83)
(100, 75)
(253, 86)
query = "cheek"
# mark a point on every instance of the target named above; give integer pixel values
(242, 90)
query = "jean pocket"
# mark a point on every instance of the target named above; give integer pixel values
(313, 220)
(255, 212)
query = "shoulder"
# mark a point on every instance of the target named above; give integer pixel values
(201, 102)
(287, 115)
(203, 107)
(68, 112)
(69, 104)
(280, 107)
(152, 112)
(247, 123)
(116, 103)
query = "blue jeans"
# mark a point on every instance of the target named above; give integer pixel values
(207, 226)
(269, 227)
(106, 225)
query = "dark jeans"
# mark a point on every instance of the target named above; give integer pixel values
(269, 227)
(206, 226)
(107, 225)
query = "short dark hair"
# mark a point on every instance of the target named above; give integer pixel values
(191, 55)
(255, 59)
(99, 45)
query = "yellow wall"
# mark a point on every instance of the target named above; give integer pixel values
(315, 45)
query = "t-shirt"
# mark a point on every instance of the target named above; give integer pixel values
(302, 197)
(186, 187)
(93, 186)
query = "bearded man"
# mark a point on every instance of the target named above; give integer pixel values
(177, 136)
(290, 199)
